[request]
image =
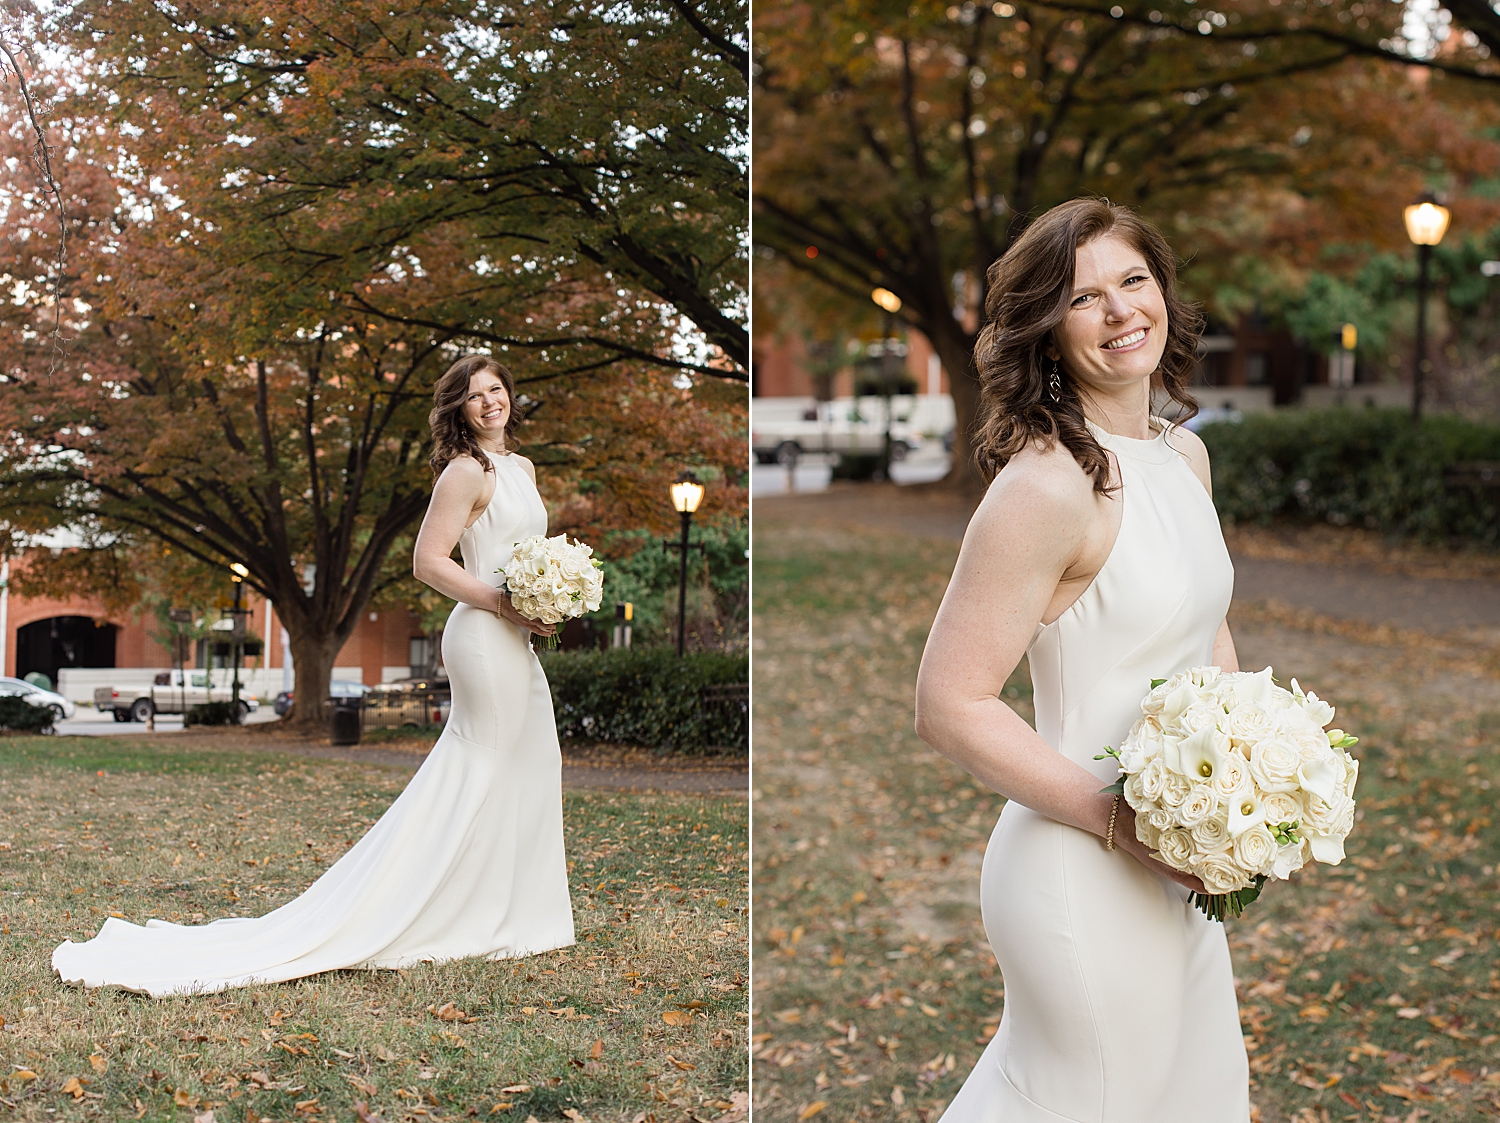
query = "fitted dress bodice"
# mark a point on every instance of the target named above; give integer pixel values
(1153, 609)
(515, 512)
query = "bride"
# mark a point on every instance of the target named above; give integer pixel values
(1096, 552)
(469, 859)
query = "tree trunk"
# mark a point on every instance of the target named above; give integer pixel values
(955, 348)
(313, 653)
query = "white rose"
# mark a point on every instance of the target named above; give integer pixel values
(1211, 835)
(1154, 779)
(1199, 805)
(1255, 850)
(1249, 722)
(1148, 834)
(1207, 677)
(1175, 848)
(1174, 790)
(1321, 815)
(1196, 718)
(1310, 745)
(1283, 807)
(1274, 764)
(1133, 793)
(1289, 859)
(1230, 776)
(1159, 818)
(1220, 874)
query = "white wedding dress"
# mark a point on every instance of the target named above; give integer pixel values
(467, 862)
(1119, 995)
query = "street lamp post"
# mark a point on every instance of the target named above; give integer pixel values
(687, 493)
(889, 304)
(238, 573)
(1426, 223)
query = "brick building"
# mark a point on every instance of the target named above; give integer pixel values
(47, 635)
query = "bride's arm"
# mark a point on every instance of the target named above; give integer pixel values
(1030, 529)
(454, 497)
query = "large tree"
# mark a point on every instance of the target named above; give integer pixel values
(279, 232)
(905, 146)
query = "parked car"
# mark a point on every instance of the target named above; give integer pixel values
(408, 701)
(19, 688)
(173, 692)
(844, 426)
(338, 688)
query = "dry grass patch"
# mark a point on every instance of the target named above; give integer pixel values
(875, 990)
(644, 1017)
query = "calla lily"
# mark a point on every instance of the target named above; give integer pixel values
(1326, 848)
(1201, 756)
(1321, 777)
(1253, 688)
(1179, 700)
(1245, 811)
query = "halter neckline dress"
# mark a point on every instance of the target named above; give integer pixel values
(1119, 995)
(469, 859)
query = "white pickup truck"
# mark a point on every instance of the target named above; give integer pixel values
(170, 694)
(844, 426)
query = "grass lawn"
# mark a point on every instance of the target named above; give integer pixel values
(1368, 991)
(644, 1018)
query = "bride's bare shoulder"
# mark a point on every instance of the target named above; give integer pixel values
(1041, 490)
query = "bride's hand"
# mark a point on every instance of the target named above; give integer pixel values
(507, 611)
(1125, 840)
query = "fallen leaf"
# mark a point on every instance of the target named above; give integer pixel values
(1408, 1012)
(1348, 1099)
(677, 1017)
(181, 1097)
(811, 1109)
(685, 1066)
(307, 1107)
(384, 1054)
(575, 1115)
(528, 1010)
(1402, 1093)
(501, 1107)
(1463, 1076)
(515, 1090)
(364, 1114)
(23, 1074)
(362, 1086)
(206, 1117)
(74, 1088)
(898, 1097)
(261, 1078)
(598, 1050)
(448, 1012)
(930, 1011)
(101, 1066)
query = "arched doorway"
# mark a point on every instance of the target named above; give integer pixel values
(63, 641)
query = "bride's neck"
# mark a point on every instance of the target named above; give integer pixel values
(1122, 417)
(491, 444)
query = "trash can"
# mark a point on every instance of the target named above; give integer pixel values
(344, 726)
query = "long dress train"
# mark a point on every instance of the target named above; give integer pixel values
(1119, 995)
(467, 862)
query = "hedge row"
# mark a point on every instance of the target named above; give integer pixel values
(648, 696)
(21, 716)
(1363, 467)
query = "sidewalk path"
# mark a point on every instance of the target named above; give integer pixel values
(1431, 604)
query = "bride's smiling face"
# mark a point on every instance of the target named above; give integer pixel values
(487, 408)
(1115, 329)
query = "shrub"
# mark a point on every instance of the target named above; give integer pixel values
(1371, 468)
(648, 696)
(212, 713)
(21, 716)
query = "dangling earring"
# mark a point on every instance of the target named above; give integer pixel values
(1055, 383)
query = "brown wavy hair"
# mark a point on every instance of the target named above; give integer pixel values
(451, 435)
(1029, 294)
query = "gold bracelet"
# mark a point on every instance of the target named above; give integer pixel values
(1109, 835)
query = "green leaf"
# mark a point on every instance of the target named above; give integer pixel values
(1157, 682)
(1117, 788)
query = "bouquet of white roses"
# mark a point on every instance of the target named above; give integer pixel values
(552, 580)
(1235, 780)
